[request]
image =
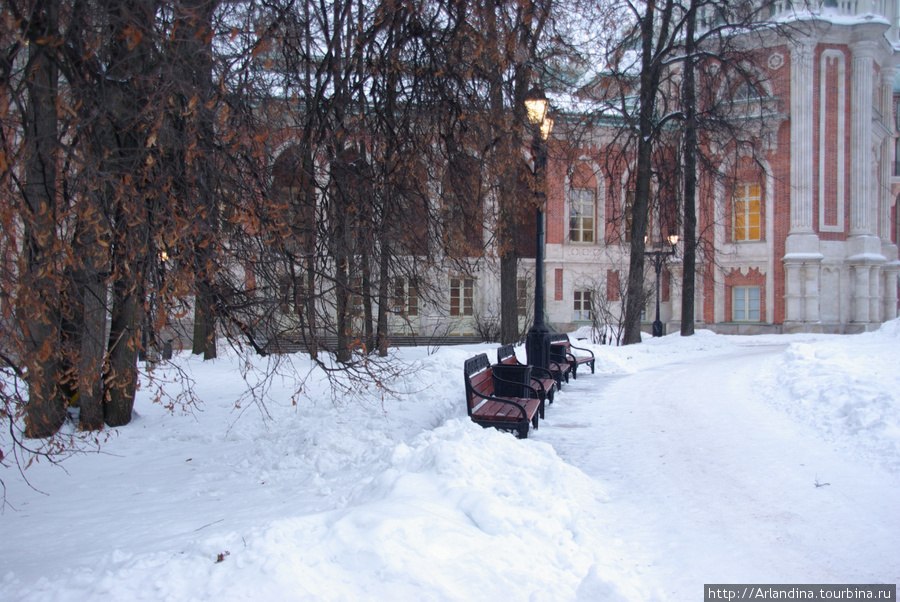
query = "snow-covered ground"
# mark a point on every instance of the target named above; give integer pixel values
(682, 461)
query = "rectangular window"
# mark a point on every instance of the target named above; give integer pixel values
(462, 296)
(412, 299)
(522, 295)
(582, 306)
(399, 301)
(581, 214)
(405, 298)
(746, 212)
(745, 304)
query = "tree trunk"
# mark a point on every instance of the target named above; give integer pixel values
(689, 101)
(39, 280)
(342, 302)
(509, 299)
(204, 339)
(652, 29)
(90, 365)
(368, 298)
(124, 343)
(505, 128)
(383, 302)
(195, 127)
(85, 325)
(634, 295)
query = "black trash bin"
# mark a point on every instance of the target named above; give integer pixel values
(508, 380)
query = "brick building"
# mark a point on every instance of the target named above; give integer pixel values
(804, 238)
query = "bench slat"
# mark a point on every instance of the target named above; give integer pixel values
(494, 410)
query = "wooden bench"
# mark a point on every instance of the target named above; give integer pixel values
(487, 407)
(542, 378)
(561, 350)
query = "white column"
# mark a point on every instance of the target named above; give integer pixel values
(793, 294)
(676, 268)
(861, 294)
(892, 12)
(890, 293)
(875, 301)
(887, 152)
(811, 291)
(802, 256)
(862, 79)
(802, 137)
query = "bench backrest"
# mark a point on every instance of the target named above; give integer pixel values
(506, 354)
(560, 339)
(479, 379)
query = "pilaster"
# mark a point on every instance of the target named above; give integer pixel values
(888, 72)
(890, 291)
(802, 274)
(862, 75)
(861, 293)
(802, 136)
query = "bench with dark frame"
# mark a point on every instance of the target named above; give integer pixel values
(500, 402)
(543, 379)
(561, 351)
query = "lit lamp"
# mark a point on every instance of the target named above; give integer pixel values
(537, 343)
(658, 254)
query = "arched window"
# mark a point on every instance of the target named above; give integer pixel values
(746, 91)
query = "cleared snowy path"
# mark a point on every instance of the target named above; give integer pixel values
(710, 484)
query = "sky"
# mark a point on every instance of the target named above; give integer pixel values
(680, 462)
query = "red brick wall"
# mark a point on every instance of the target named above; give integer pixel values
(831, 139)
(612, 285)
(780, 163)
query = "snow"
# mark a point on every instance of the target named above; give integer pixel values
(682, 461)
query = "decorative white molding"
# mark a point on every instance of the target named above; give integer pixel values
(746, 268)
(776, 61)
(830, 57)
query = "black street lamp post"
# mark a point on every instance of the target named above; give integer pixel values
(537, 343)
(659, 254)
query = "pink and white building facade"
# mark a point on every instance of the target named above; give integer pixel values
(806, 236)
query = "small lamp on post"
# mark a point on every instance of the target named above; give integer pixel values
(659, 254)
(537, 343)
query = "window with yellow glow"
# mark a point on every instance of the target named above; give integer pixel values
(746, 213)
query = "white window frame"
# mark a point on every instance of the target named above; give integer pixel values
(523, 292)
(580, 298)
(745, 306)
(463, 289)
(582, 208)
